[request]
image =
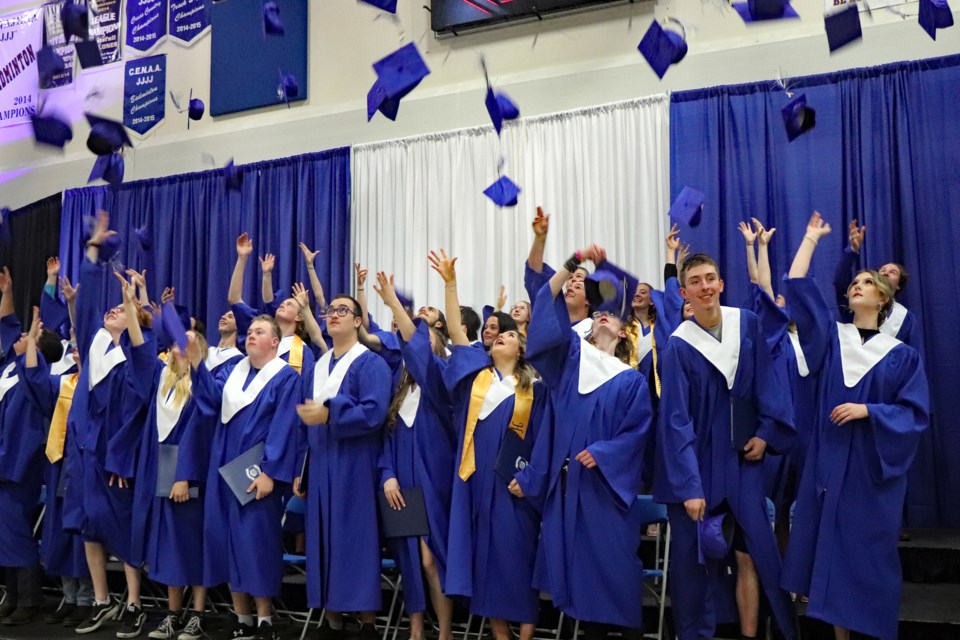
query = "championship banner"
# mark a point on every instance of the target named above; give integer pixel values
(53, 37)
(21, 36)
(105, 28)
(189, 19)
(146, 22)
(144, 93)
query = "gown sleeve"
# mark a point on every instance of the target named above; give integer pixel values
(549, 336)
(244, 315)
(842, 277)
(281, 448)
(812, 315)
(773, 401)
(426, 369)
(193, 458)
(42, 389)
(676, 473)
(532, 281)
(352, 416)
(465, 362)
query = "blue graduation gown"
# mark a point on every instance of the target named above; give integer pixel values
(695, 459)
(343, 543)
(587, 558)
(62, 551)
(493, 536)
(421, 455)
(244, 315)
(248, 539)
(843, 547)
(162, 526)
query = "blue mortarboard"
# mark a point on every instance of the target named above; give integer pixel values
(108, 167)
(233, 175)
(184, 314)
(688, 206)
(406, 299)
(499, 105)
(51, 130)
(935, 14)
(662, 48)
(609, 288)
(843, 27)
(715, 537)
(49, 64)
(173, 325)
(144, 238)
(289, 88)
(397, 75)
(503, 192)
(106, 136)
(195, 109)
(88, 53)
(486, 312)
(798, 118)
(759, 10)
(272, 24)
(75, 21)
(390, 6)
(54, 314)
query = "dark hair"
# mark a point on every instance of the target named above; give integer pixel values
(470, 319)
(50, 346)
(274, 325)
(357, 311)
(696, 260)
(904, 276)
(505, 321)
(199, 326)
(444, 332)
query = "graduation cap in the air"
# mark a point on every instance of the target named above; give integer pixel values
(54, 314)
(503, 192)
(51, 130)
(109, 167)
(195, 109)
(233, 175)
(397, 75)
(272, 24)
(106, 136)
(88, 53)
(288, 88)
(173, 325)
(843, 27)
(759, 10)
(144, 238)
(610, 289)
(935, 14)
(715, 537)
(390, 6)
(49, 64)
(798, 118)
(108, 248)
(406, 299)
(662, 47)
(75, 21)
(688, 206)
(499, 105)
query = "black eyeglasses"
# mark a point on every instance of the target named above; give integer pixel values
(340, 312)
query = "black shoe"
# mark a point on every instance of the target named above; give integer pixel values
(329, 633)
(131, 621)
(97, 615)
(7, 608)
(243, 632)
(193, 629)
(22, 615)
(365, 631)
(58, 616)
(78, 615)
(265, 632)
(169, 627)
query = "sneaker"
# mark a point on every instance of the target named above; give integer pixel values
(193, 630)
(243, 632)
(265, 632)
(97, 615)
(168, 627)
(58, 616)
(22, 615)
(131, 621)
(80, 613)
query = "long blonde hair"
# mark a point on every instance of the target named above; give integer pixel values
(179, 380)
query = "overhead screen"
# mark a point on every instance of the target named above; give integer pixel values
(452, 17)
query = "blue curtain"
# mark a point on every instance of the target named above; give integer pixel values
(194, 221)
(885, 151)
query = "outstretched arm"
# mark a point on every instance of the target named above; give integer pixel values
(130, 308)
(764, 277)
(266, 285)
(750, 236)
(244, 249)
(362, 295)
(388, 294)
(816, 229)
(541, 225)
(594, 253)
(446, 267)
(309, 257)
(32, 337)
(309, 320)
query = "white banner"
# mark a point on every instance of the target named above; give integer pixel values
(21, 36)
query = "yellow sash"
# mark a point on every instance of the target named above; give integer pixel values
(58, 423)
(522, 405)
(633, 332)
(653, 348)
(295, 355)
(164, 356)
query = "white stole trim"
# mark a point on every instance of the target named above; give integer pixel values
(65, 363)
(216, 356)
(597, 368)
(168, 413)
(496, 394)
(891, 326)
(723, 354)
(284, 347)
(802, 367)
(7, 383)
(326, 383)
(235, 397)
(857, 358)
(584, 327)
(102, 361)
(644, 344)
(409, 406)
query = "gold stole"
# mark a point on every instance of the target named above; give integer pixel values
(295, 355)
(164, 356)
(522, 405)
(653, 348)
(633, 332)
(58, 423)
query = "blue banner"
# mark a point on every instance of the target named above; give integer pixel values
(146, 24)
(53, 37)
(144, 93)
(105, 28)
(189, 19)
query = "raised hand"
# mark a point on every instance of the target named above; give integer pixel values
(673, 239)
(35, 326)
(68, 290)
(541, 223)
(595, 253)
(748, 234)
(301, 295)
(361, 275)
(816, 227)
(385, 289)
(308, 255)
(6, 282)
(194, 353)
(129, 291)
(443, 265)
(682, 255)
(244, 245)
(169, 295)
(136, 278)
(53, 267)
(856, 235)
(102, 229)
(763, 234)
(267, 262)
(502, 298)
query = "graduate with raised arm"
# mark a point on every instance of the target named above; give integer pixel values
(493, 534)
(110, 437)
(722, 407)
(537, 273)
(347, 394)
(227, 350)
(585, 470)
(872, 406)
(418, 451)
(22, 433)
(293, 349)
(163, 523)
(60, 320)
(255, 401)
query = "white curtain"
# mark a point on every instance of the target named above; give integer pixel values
(601, 173)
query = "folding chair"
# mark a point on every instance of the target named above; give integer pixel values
(298, 563)
(649, 512)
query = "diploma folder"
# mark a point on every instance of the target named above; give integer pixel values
(743, 422)
(409, 521)
(241, 471)
(167, 471)
(514, 455)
